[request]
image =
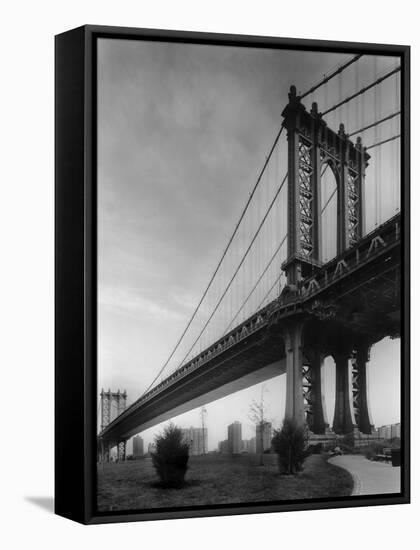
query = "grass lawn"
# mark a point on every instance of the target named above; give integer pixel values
(218, 479)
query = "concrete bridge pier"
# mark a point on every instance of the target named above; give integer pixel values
(294, 384)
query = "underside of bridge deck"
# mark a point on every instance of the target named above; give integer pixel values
(258, 358)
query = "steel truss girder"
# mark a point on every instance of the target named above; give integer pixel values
(312, 391)
(305, 174)
(360, 400)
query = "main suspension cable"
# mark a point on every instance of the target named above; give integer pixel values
(269, 291)
(361, 91)
(383, 141)
(237, 269)
(256, 284)
(389, 117)
(332, 75)
(329, 200)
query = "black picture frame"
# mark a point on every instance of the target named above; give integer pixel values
(76, 271)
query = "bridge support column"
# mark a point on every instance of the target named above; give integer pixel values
(294, 385)
(314, 402)
(344, 421)
(121, 450)
(360, 388)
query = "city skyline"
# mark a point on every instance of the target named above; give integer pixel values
(386, 431)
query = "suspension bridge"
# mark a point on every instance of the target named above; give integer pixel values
(311, 270)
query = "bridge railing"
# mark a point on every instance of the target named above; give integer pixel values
(236, 335)
(364, 251)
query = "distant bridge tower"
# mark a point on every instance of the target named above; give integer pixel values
(110, 399)
(112, 405)
(312, 147)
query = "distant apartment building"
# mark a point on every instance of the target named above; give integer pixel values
(250, 445)
(235, 437)
(396, 430)
(223, 446)
(138, 447)
(263, 436)
(390, 431)
(197, 440)
(385, 432)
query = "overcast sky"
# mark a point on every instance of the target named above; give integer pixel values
(183, 132)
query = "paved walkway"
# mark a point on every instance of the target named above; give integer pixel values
(370, 478)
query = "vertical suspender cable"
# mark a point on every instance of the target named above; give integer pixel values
(379, 112)
(217, 267)
(275, 229)
(340, 93)
(357, 78)
(347, 121)
(375, 109)
(397, 146)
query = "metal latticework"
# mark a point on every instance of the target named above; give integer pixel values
(359, 360)
(353, 207)
(307, 386)
(305, 198)
(355, 377)
(105, 410)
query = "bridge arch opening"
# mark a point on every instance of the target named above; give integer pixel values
(384, 381)
(329, 387)
(329, 211)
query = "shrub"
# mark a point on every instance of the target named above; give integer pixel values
(395, 443)
(348, 441)
(315, 449)
(330, 446)
(170, 458)
(347, 449)
(370, 451)
(290, 445)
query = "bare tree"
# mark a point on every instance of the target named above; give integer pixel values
(258, 415)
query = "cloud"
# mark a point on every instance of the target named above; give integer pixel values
(130, 301)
